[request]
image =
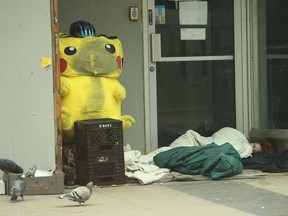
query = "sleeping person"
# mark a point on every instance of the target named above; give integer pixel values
(238, 140)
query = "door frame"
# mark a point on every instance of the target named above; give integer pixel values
(242, 66)
(242, 71)
(56, 78)
(150, 85)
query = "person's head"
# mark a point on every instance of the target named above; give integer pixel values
(262, 145)
(256, 147)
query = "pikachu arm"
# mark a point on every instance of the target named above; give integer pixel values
(67, 123)
(127, 121)
(120, 92)
(65, 86)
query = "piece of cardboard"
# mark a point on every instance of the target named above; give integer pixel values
(37, 185)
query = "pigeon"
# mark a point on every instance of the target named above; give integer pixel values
(18, 188)
(79, 194)
(31, 172)
(7, 166)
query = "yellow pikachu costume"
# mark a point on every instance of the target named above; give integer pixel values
(90, 89)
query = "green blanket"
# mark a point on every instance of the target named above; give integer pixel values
(214, 161)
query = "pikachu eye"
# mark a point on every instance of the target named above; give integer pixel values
(70, 50)
(110, 48)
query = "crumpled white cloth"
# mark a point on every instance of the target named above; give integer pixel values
(147, 178)
(142, 167)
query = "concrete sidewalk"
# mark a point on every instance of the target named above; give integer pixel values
(268, 195)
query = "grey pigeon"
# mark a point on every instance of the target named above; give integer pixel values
(31, 172)
(7, 166)
(79, 194)
(17, 188)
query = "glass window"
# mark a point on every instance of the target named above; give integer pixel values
(270, 72)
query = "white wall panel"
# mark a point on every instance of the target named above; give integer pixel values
(26, 89)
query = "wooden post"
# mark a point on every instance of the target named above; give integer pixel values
(56, 75)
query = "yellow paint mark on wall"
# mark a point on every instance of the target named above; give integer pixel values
(45, 62)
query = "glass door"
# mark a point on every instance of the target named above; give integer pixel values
(193, 47)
